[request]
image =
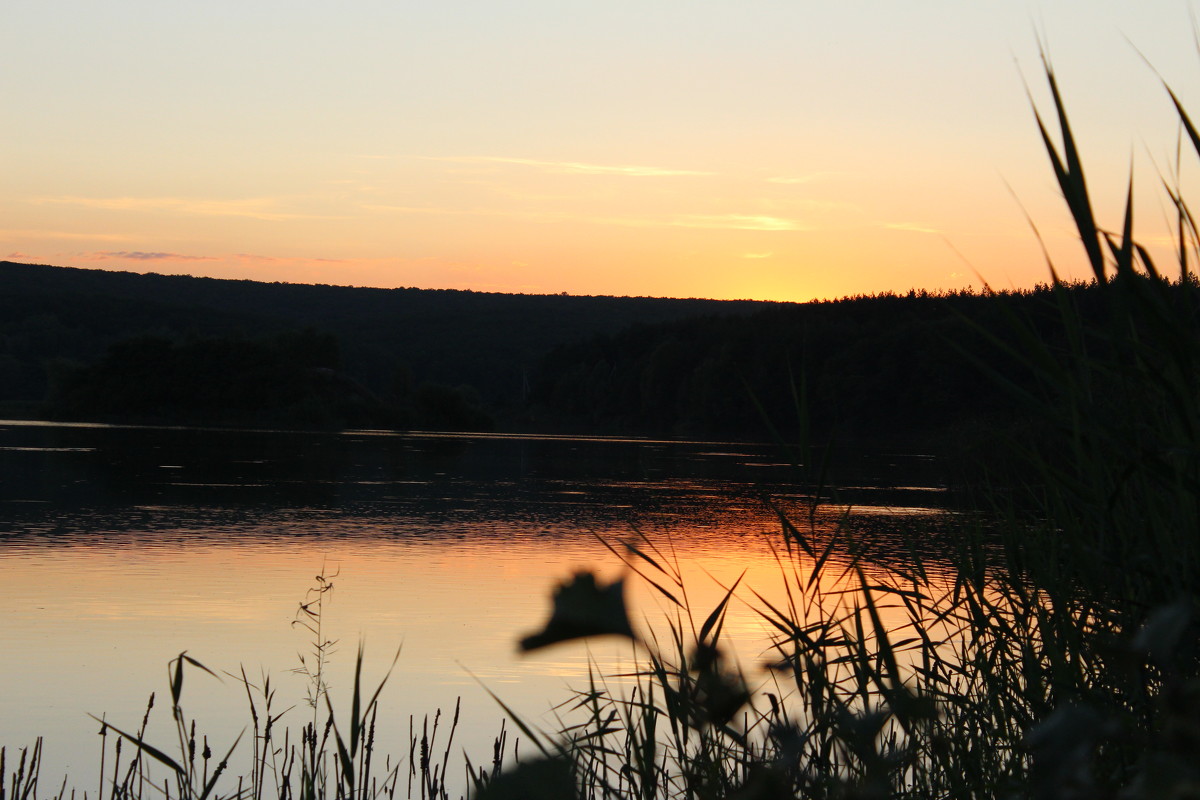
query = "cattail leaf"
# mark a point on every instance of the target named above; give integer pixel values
(662, 590)
(378, 689)
(790, 531)
(632, 548)
(525, 728)
(196, 663)
(1068, 170)
(177, 680)
(345, 760)
(1185, 119)
(355, 709)
(145, 747)
(717, 612)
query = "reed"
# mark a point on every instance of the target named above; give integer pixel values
(332, 756)
(1057, 659)
(310, 618)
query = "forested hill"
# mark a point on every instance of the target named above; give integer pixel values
(98, 345)
(917, 365)
(386, 340)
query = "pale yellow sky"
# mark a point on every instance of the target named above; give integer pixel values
(772, 150)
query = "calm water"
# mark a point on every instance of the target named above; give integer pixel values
(122, 547)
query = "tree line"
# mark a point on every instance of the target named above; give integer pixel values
(901, 366)
(440, 349)
(88, 344)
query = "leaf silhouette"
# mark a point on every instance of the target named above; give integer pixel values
(583, 607)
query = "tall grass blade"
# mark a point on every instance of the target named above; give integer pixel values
(1069, 172)
(719, 612)
(144, 746)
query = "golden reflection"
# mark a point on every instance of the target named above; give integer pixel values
(98, 615)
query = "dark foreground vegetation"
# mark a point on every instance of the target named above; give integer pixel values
(1059, 660)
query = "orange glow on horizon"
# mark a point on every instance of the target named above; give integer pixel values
(714, 152)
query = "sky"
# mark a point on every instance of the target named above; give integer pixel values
(726, 149)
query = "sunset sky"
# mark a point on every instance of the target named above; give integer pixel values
(712, 148)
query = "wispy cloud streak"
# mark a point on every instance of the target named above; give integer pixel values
(9, 235)
(741, 222)
(800, 179)
(745, 222)
(262, 208)
(578, 167)
(139, 255)
(909, 226)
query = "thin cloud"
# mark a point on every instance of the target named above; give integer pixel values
(741, 222)
(139, 255)
(257, 258)
(348, 185)
(579, 167)
(390, 209)
(757, 255)
(535, 216)
(70, 235)
(744, 222)
(253, 258)
(909, 226)
(252, 207)
(797, 179)
(825, 205)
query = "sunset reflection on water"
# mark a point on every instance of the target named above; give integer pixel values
(453, 568)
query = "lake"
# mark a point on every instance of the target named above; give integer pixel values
(123, 546)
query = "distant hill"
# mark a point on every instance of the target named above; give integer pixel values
(93, 344)
(52, 317)
(921, 366)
